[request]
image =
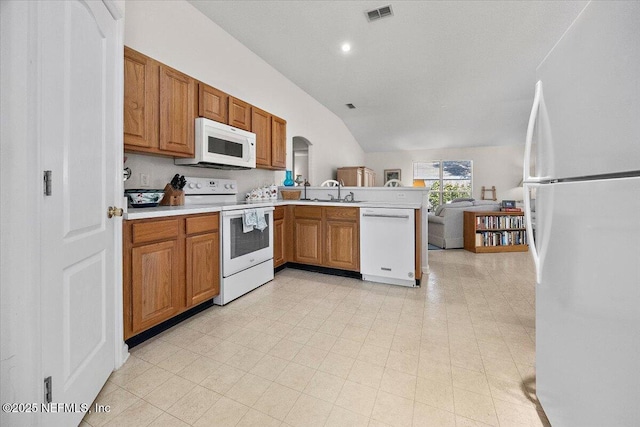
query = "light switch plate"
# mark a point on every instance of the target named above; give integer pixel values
(144, 180)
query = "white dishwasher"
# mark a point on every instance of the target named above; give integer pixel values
(387, 245)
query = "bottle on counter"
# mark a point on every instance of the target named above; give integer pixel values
(288, 181)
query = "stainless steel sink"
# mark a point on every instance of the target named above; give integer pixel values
(332, 201)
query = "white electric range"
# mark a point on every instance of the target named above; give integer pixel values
(246, 257)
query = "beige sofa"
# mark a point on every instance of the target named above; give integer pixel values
(446, 229)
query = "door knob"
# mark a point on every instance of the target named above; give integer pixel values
(113, 211)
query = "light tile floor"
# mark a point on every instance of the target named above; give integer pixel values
(314, 350)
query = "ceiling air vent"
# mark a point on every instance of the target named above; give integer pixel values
(351, 106)
(381, 12)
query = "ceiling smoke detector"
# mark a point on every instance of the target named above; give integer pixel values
(351, 106)
(379, 13)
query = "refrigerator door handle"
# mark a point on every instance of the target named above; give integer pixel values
(526, 170)
(529, 227)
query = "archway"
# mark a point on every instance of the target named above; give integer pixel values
(301, 159)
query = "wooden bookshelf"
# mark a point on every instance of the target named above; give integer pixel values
(488, 232)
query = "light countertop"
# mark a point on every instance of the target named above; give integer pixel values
(166, 211)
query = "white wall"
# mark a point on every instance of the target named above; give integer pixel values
(162, 169)
(499, 165)
(177, 34)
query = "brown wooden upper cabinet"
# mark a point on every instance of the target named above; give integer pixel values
(278, 143)
(212, 103)
(159, 107)
(271, 139)
(177, 112)
(239, 114)
(141, 101)
(261, 126)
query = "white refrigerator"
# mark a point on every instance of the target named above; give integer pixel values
(582, 161)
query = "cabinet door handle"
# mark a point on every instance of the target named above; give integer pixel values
(529, 228)
(528, 145)
(385, 216)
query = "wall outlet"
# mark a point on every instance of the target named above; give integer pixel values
(144, 180)
(401, 195)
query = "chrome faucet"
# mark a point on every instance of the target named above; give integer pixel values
(349, 197)
(332, 198)
(340, 184)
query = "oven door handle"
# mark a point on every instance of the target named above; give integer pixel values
(236, 213)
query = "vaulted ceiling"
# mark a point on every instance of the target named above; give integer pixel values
(434, 74)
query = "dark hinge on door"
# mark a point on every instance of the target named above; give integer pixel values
(47, 183)
(47, 390)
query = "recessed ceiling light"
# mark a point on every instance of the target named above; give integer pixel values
(346, 47)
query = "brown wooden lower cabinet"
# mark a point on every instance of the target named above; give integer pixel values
(278, 242)
(279, 237)
(342, 231)
(342, 251)
(326, 236)
(169, 266)
(307, 235)
(203, 267)
(155, 284)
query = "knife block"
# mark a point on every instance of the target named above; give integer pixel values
(172, 197)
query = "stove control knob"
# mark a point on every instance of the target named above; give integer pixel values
(191, 185)
(232, 186)
(198, 185)
(227, 186)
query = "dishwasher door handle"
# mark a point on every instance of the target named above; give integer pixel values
(386, 216)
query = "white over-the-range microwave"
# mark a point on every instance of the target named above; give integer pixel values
(222, 146)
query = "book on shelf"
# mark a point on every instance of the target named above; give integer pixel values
(510, 209)
(501, 238)
(488, 222)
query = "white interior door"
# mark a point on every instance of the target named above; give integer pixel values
(76, 125)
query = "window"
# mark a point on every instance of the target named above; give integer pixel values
(445, 179)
